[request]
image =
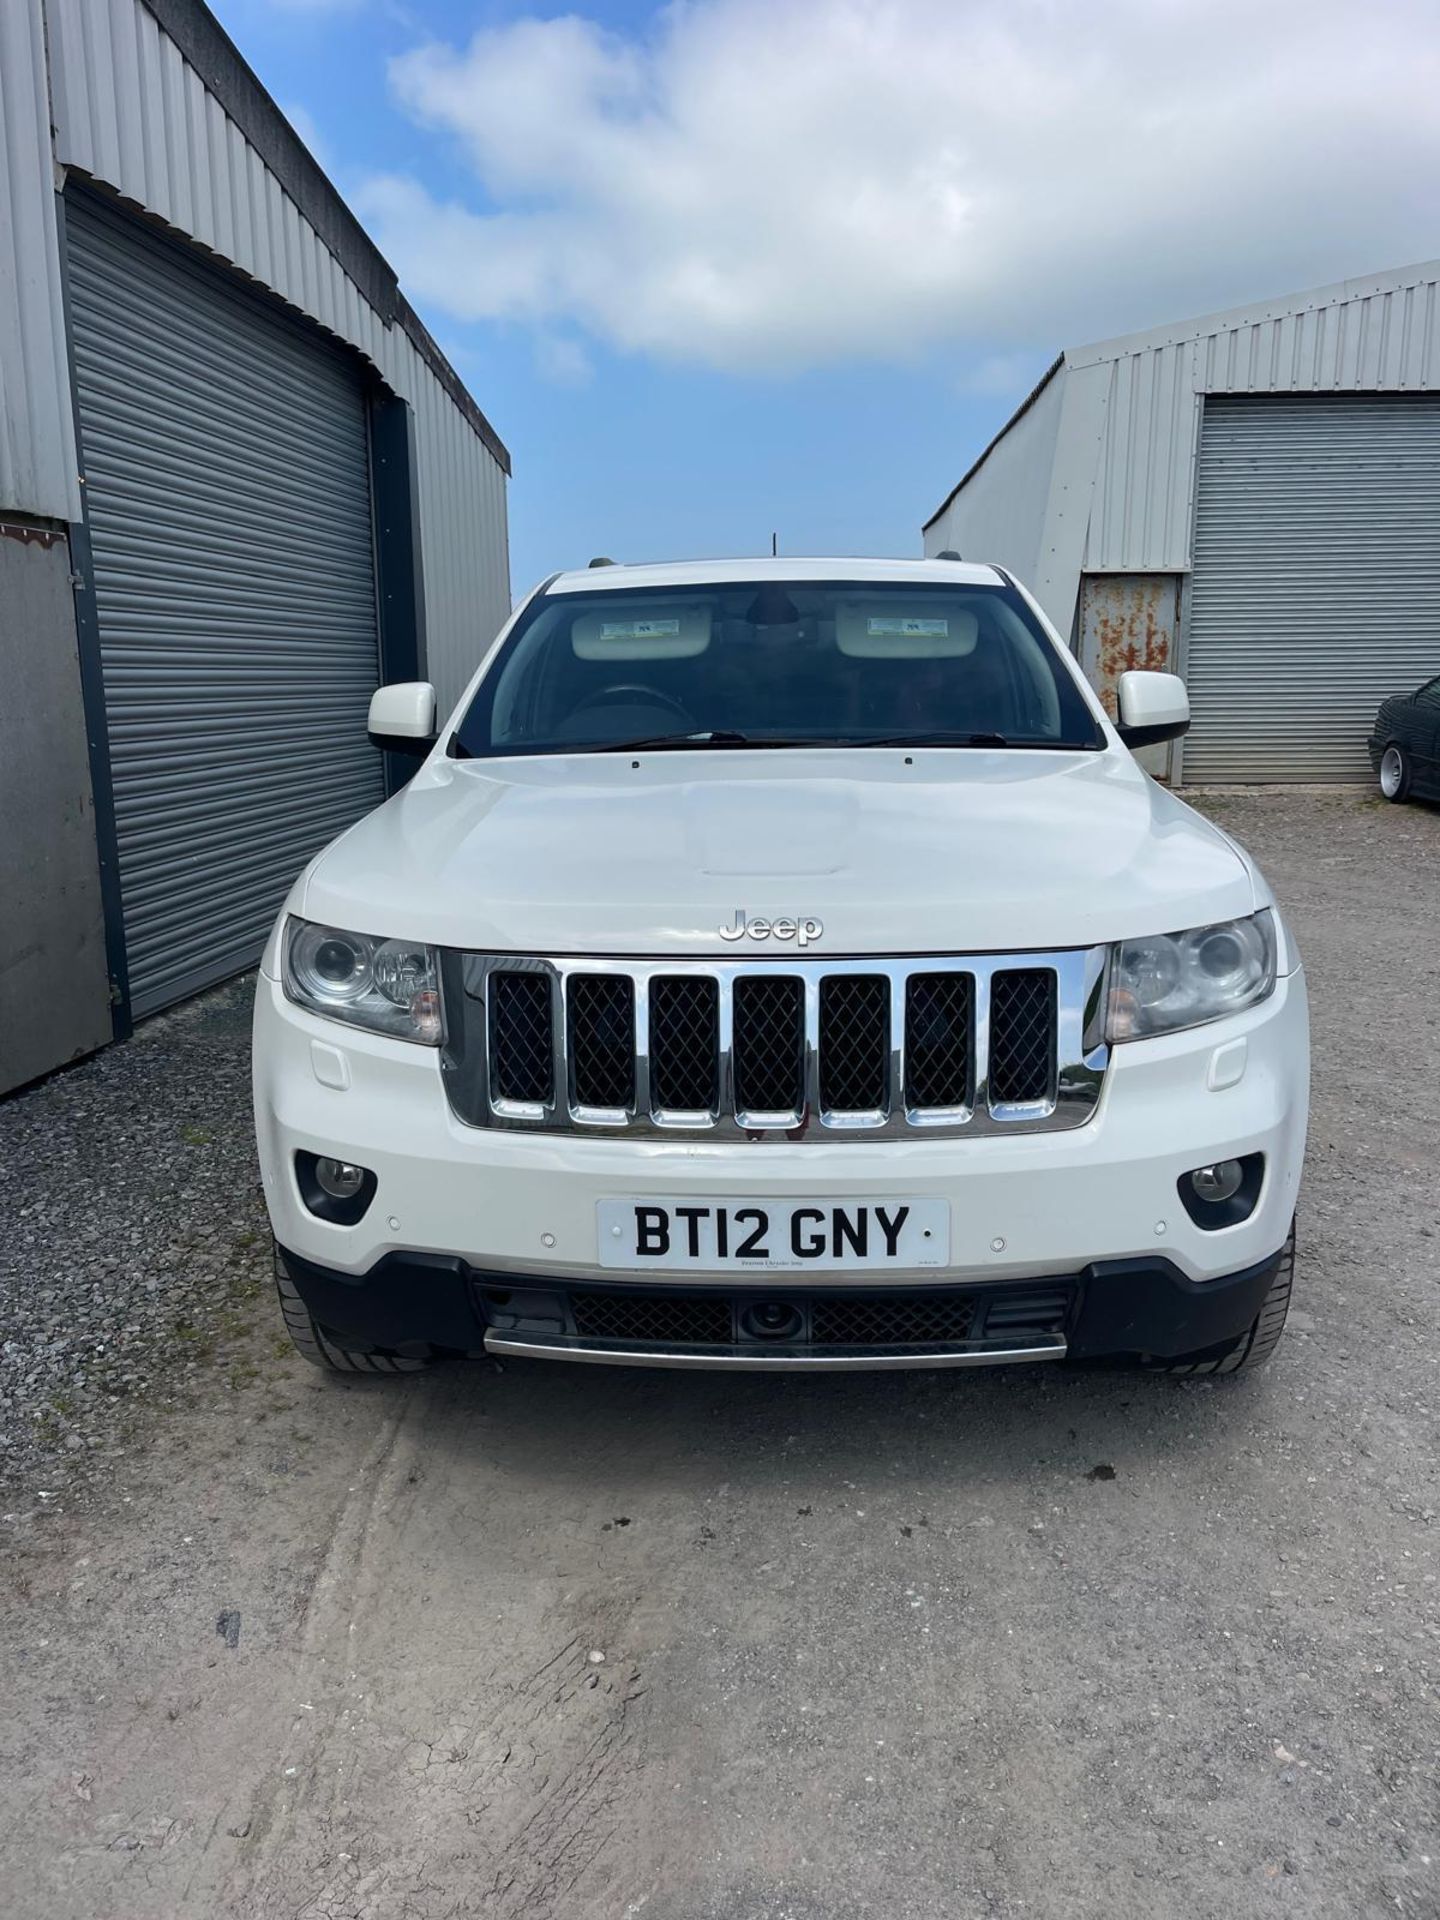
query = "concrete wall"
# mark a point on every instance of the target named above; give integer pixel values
(54, 986)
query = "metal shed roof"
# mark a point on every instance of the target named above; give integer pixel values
(1107, 485)
(1380, 331)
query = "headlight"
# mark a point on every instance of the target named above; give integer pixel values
(1172, 980)
(390, 986)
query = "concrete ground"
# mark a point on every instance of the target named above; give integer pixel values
(574, 1642)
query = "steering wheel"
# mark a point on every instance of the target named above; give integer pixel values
(643, 696)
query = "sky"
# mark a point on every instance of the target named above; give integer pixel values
(726, 269)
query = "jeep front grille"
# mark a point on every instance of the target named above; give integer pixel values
(522, 1046)
(938, 1028)
(775, 1050)
(685, 1043)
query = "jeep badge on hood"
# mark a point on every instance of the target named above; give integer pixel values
(802, 932)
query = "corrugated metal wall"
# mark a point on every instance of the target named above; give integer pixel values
(1140, 509)
(54, 980)
(465, 540)
(132, 113)
(1316, 590)
(1124, 469)
(228, 501)
(37, 442)
(1003, 519)
(1379, 335)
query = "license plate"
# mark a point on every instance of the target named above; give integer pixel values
(774, 1236)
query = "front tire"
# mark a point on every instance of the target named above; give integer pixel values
(314, 1344)
(1396, 773)
(1259, 1340)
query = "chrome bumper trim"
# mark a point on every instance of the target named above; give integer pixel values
(615, 1353)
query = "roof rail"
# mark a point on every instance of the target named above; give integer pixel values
(601, 560)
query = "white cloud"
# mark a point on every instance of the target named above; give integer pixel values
(562, 360)
(781, 183)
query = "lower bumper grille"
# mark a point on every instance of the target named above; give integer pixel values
(885, 1323)
(660, 1319)
(629, 1316)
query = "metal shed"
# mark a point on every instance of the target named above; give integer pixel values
(239, 486)
(1252, 499)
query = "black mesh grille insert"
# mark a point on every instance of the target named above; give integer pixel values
(1018, 1316)
(769, 1044)
(684, 1044)
(602, 1039)
(699, 1320)
(1022, 1036)
(854, 1042)
(938, 1021)
(676, 1317)
(521, 1055)
(890, 1323)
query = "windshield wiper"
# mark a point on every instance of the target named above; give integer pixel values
(942, 738)
(715, 737)
(729, 737)
(711, 737)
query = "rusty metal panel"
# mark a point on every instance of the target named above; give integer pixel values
(1128, 621)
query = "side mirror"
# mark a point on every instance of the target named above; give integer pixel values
(402, 717)
(1153, 707)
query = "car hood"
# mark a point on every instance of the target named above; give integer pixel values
(930, 851)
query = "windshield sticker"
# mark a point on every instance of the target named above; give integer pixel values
(893, 627)
(639, 629)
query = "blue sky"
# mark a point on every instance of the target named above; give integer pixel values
(742, 266)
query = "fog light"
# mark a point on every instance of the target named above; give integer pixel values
(339, 1178)
(1223, 1192)
(334, 1190)
(1222, 1181)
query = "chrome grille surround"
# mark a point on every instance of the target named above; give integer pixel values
(1078, 1056)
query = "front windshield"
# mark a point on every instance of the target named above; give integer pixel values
(771, 664)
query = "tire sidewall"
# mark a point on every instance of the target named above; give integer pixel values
(1402, 785)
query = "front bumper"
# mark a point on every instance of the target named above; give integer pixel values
(414, 1303)
(1021, 1208)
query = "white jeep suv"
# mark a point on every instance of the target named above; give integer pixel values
(782, 964)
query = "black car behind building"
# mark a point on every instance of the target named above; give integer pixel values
(1405, 744)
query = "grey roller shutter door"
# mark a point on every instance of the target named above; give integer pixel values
(228, 499)
(1316, 589)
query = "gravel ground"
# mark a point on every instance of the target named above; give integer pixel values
(553, 1642)
(133, 1238)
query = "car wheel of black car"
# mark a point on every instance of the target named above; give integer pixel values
(1259, 1340)
(314, 1344)
(1396, 773)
